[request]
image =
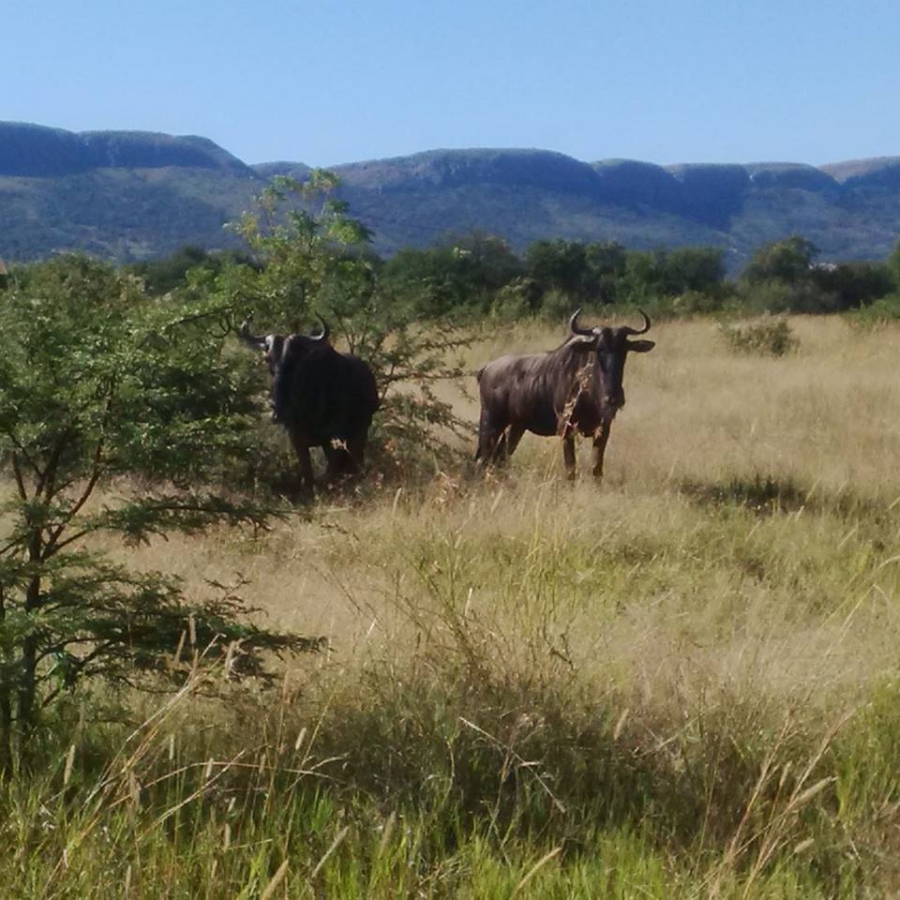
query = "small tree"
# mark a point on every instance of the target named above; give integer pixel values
(781, 278)
(100, 387)
(788, 261)
(460, 277)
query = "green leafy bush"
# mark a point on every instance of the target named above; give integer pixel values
(883, 310)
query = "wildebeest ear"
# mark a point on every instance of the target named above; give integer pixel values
(641, 346)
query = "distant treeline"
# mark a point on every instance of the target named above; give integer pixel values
(478, 275)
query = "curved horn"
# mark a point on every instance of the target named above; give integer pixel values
(248, 337)
(573, 325)
(644, 330)
(323, 336)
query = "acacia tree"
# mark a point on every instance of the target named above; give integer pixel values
(312, 258)
(104, 390)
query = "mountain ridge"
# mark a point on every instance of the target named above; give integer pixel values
(134, 194)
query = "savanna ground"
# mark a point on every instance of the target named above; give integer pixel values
(683, 683)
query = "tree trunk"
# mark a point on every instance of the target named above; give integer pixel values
(27, 674)
(6, 721)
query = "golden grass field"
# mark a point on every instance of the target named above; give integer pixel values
(706, 647)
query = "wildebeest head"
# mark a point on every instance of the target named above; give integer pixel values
(274, 346)
(610, 347)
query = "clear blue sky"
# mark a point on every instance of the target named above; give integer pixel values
(324, 83)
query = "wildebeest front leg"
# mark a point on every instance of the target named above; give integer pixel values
(600, 438)
(568, 442)
(304, 461)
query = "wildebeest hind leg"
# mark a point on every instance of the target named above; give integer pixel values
(306, 471)
(489, 439)
(344, 458)
(505, 446)
(513, 436)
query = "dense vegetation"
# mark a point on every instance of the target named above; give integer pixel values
(681, 684)
(477, 276)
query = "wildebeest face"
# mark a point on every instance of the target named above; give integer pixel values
(613, 347)
(610, 348)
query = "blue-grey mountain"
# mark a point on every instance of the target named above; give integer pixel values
(135, 195)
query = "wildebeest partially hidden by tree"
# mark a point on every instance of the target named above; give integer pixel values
(323, 398)
(577, 387)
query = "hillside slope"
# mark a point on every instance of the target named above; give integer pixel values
(117, 195)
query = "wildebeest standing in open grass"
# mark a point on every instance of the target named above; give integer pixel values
(576, 387)
(323, 398)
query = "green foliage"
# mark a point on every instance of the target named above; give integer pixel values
(160, 276)
(700, 269)
(558, 265)
(554, 277)
(521, 298)
(479, 275)
(766, 336)
(670, 274)
(893, 264)
(462, 275)
(102, 386)
(851, 285)
(782, 278)
(876, 314)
